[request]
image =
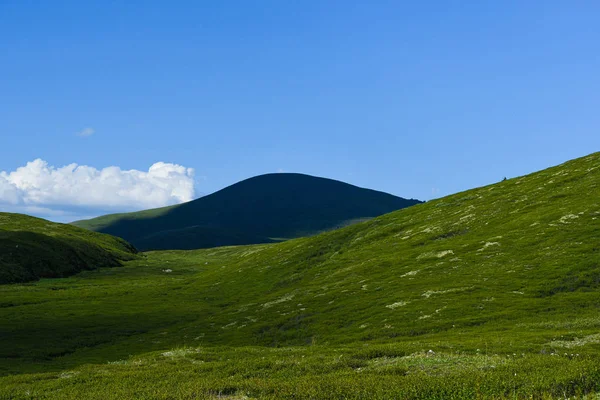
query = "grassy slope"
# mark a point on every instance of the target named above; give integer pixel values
(501, 282)
(96, 224)
(33, 248)
(256, 210)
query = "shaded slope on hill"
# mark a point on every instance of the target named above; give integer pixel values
(256, 210)
(33, 248)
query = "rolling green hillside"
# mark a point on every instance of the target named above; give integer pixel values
(262, 209)
(33, 248)
(489, 293)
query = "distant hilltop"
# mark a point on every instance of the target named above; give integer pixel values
(262, 209)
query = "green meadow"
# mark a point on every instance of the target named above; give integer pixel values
(489, 293)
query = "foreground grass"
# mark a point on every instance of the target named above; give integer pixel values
(497, 281)
(359, 372)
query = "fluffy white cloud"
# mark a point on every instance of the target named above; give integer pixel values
(8, 192)
(38, 184)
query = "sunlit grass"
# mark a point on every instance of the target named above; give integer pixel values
(501, 284)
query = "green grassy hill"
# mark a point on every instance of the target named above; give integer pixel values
(489, 293)
(262, 209)
(33, 248)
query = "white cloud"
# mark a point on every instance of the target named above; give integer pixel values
(86, 132)
(38, 185)
(9, 194)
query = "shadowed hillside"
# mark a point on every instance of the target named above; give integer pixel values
(262, 209)
(33, 248)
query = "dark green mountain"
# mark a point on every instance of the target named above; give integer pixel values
(262, 209)
(33, 248)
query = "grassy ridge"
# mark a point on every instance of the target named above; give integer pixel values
(33, 248)
(501, 282)
(256, 210)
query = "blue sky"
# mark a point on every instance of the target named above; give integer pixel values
(419, 99)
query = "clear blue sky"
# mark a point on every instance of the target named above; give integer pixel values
(419, 99)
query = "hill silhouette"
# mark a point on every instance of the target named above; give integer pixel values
(33, 248)
(261, 209)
